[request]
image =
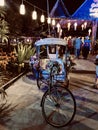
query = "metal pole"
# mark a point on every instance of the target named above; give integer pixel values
(94, 31)
(48, 15)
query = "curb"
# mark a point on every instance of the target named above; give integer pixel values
(5, 86)
(83, 71)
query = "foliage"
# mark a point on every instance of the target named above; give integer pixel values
(24, 52)
(4, 27)
(4, 30)
(2, 12)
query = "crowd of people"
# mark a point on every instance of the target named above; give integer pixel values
(82, 46)
(79, 45)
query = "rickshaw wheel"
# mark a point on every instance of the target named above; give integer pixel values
(41, 81)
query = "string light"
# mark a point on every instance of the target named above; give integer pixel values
(22, 9)
(53, 22)
(49, 20)
(75, 26)
(2, 3)
(34, 15)
(82, 26)
(60, 32)
(68, 25)
(42, 18)
(89, 32)
(58, 27)
(85, 25)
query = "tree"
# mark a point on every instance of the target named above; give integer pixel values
(4, 27)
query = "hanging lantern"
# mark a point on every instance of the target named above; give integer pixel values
(58, 27)
(22, 9)
(89, 32)
(42, 18)
(34, 15)
(49, 20)
(82, 26)
(60, 32)
(53, 22)
(85, 25)
(2, 2)
(75, 26)
(68, 26)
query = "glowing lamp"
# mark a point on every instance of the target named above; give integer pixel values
(42, 18)
(75, 26)
(2, 2)
(22, 9)
(82, 26)
(60, 32)
(85, 24)
(53, 22)
(58, 27)
(68, 25)
(34, 15)
(89, 32)
(49, 20)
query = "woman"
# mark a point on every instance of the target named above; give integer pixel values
(86, 47)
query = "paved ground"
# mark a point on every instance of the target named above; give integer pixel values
(23, 111)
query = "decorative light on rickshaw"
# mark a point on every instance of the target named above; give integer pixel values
(2, 2)
(58, 27)
(42, 18)
(75, 26)
(89, 32)
(68, 26)
(22, 9)
(49, 20)
(82, 26)
(85, 25)
(34, 15)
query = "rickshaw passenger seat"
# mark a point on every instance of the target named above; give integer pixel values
(52, 56)
(43, 63)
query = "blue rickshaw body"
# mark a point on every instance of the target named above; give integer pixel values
(47, 50)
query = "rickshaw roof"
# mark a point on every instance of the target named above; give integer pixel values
(51, 41)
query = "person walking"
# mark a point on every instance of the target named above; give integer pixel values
(86, 47)
(77, 46)
(96, 77)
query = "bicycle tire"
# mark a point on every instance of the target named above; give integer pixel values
(62, 113)
(41, 81)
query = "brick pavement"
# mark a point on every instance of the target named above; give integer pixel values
(23, 101)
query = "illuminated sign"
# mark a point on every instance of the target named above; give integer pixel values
(94, 9)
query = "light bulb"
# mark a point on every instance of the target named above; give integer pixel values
(22, 9)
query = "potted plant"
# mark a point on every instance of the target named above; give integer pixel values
(23, 53)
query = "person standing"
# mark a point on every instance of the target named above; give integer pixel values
(77, 46)
(86, 47)
(96, 77)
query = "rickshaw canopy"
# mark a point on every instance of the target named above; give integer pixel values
(51, 41)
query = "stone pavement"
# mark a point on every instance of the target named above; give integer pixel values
(23, 111)
(85, 65)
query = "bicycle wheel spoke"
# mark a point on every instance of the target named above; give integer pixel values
(58, 107)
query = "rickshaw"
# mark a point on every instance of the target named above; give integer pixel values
(52, 49)
(51, 70)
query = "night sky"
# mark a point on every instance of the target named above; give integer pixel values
(27, 22)
(71, 5)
